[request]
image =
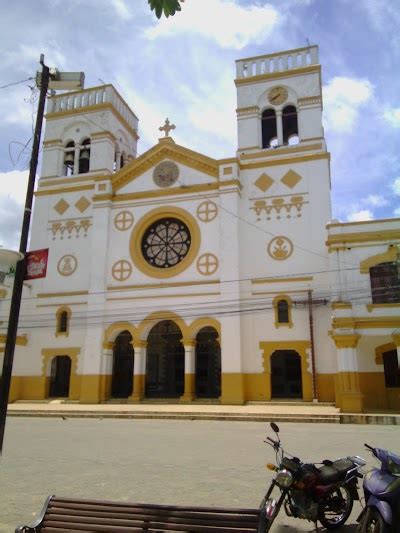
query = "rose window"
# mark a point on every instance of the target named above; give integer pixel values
(166, 242)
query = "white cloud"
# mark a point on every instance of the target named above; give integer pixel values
(13, 185)
(359, 216)
(12, 201)
(392, 116)
(396, 186)
(396, 212)
(224, 21)
(342, 98)
(375, 200)
(121, 9)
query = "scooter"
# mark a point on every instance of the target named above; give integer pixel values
(381, 513)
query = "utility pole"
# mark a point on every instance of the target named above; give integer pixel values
(20, 267)
(61, 81)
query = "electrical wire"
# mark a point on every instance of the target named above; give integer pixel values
(16, 83)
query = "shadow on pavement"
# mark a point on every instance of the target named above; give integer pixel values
(350, 528)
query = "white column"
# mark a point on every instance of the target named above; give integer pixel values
(76, 159)
(279, 128)
(139, 371)
(190, 370)
(118, 161)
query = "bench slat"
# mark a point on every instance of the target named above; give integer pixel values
(152, 526)
(106, 503)
(160, 516)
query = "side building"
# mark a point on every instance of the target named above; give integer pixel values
(175, 275)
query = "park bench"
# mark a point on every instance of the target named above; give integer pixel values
(72, 515)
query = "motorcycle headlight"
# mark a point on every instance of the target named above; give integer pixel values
(284, 478)
(393, 467)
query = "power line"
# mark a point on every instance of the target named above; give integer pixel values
(16, 83)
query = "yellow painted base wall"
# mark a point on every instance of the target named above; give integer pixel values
(236, 389)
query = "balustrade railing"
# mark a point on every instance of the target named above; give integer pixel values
(92, 97)
(292, 59)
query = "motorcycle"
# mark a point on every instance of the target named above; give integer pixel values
(381, 513)
(322, 494)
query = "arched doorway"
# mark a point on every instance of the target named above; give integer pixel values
(286, 379)
(165, 370)
(60, 374)
(122, 373)
(208, 364)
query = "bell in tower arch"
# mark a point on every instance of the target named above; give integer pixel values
(84, 157)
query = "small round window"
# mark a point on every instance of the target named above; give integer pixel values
(166, 242)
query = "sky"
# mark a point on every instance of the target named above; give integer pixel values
(183, 68)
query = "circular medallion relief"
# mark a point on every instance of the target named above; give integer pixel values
(67, 265)
(165, 174)
(207, 264)
(277, 95)
(166, 242)
(280, 248)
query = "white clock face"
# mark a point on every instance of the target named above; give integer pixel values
(165, 174)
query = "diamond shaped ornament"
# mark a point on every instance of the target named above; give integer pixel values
(291, 179)
(82, 204)
(264, 182)
(61, 206)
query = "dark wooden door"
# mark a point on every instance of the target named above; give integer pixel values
(123, 362)
(286, 374)
(208, 364)
(60, 376)
(165, 372)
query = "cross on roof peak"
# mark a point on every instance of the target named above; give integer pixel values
(167, 127)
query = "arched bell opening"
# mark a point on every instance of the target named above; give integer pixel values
(123, 361)
(84, 156)
(165, 366)
(208, 364)
(286, 378)
(60, 374)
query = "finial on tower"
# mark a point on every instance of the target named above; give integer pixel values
(167, 127)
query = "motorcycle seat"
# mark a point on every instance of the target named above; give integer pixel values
(336, 472)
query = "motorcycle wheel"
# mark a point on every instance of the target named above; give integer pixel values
(373, 523)
(335, 508)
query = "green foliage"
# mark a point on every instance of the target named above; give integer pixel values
(168, 6)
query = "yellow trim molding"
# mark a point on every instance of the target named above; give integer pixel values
(346, 341)
(371, 307)
(158, 296)
(72, 353)
(59, 190)
(279, 151)
(361, 222)
(396, 339)
(281, 280)
(165, 149)
(286, 161)
(57, 294)
(301, 347)
(278, 75)
(167, 285)
(366, 322)
(21, 340)
(112, 332)
(363, 236)
(141, 226)
(341, 305)
(386, 257)
(159, 316)
(201, 323)
(275, 302)
(380, 350)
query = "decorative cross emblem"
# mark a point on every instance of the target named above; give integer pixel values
(207, 211)
(207, 264)
(167, 127)
(123, 220)
(121, 270)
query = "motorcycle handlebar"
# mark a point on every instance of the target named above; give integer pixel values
(273, 442)
(370, 448)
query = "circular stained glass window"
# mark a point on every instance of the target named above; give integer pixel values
(166, 242)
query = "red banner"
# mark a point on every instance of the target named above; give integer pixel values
(36, 264)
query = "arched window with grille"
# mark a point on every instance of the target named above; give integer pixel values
(385, 283)
(283, 315)
(268, 129)
(62, 318)
(290, 126)
(84, 156)
(69, 159)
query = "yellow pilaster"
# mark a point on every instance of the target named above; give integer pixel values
(139, 371)
(347, 385)
(232, 389)
(189, 391)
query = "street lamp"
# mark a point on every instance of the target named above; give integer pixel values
(62, 81)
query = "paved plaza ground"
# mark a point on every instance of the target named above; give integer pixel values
(160, 461)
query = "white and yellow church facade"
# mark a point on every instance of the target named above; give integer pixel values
(174, 275)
